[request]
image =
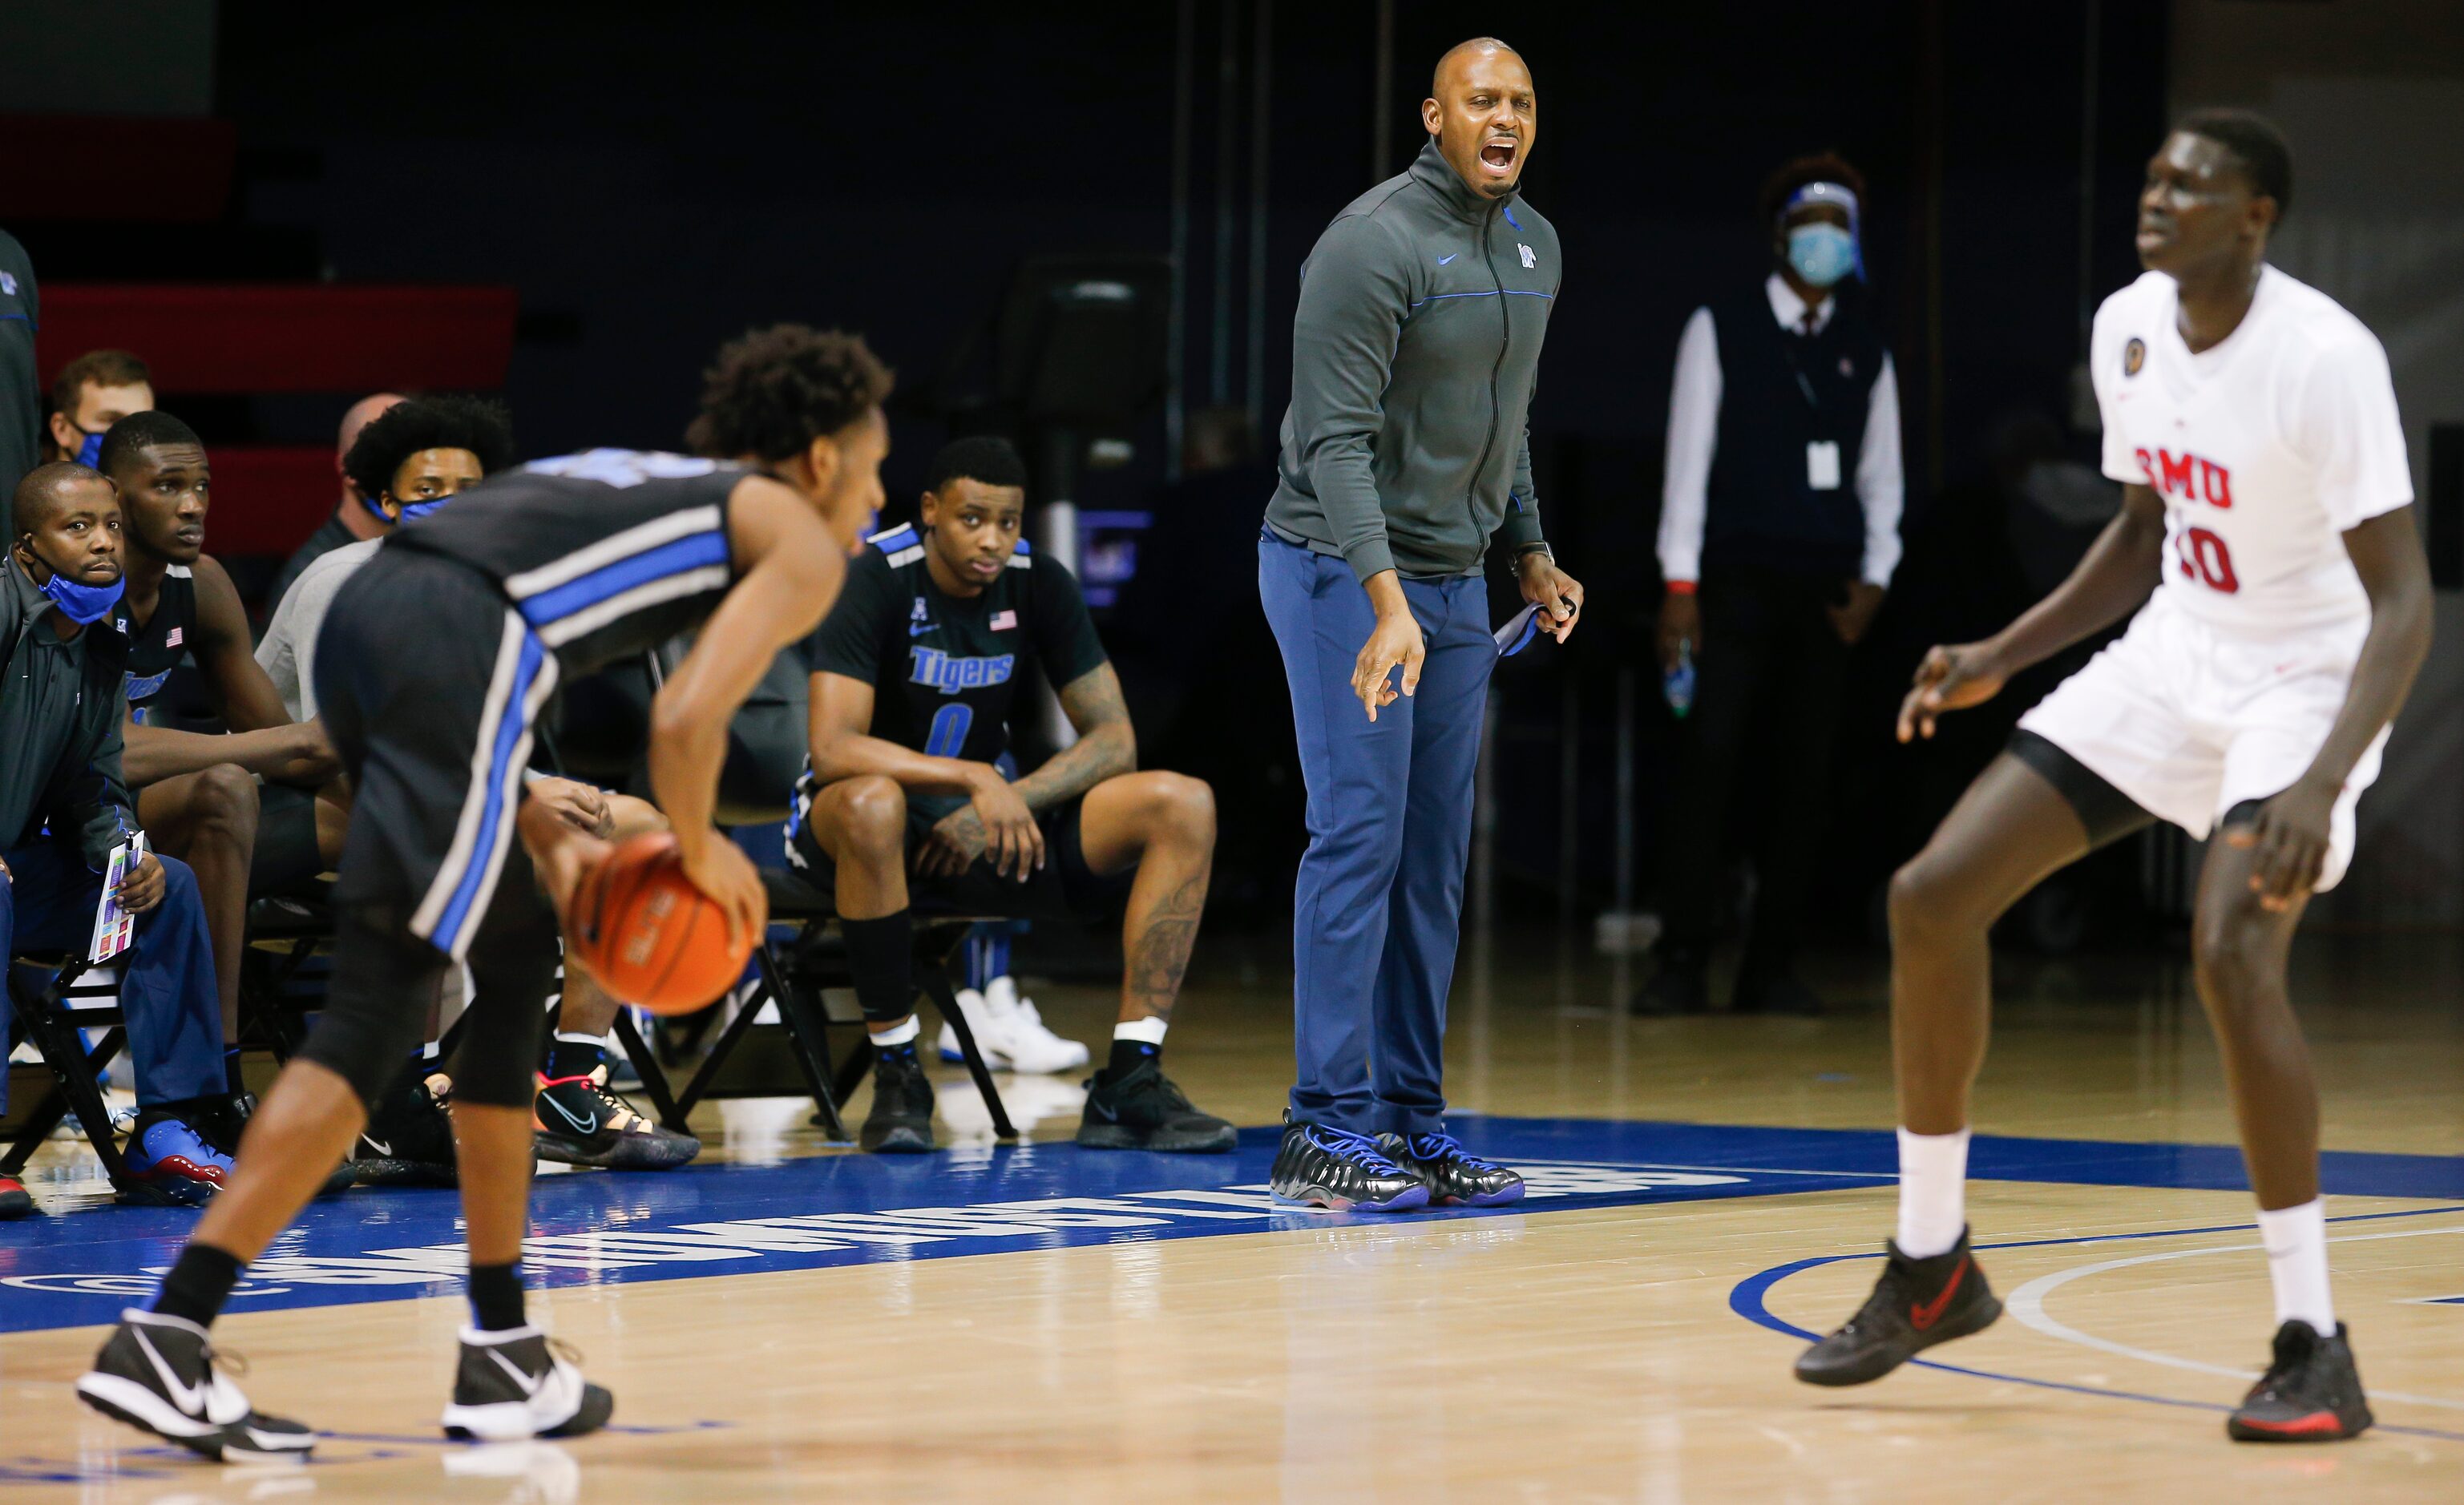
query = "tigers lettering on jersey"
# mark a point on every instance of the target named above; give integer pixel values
(950, 673)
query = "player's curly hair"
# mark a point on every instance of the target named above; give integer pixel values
(1823, 166)
(773, 392)
(478, 425)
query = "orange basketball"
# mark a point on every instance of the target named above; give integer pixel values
(640, 928)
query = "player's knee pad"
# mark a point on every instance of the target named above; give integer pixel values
(376, 1006)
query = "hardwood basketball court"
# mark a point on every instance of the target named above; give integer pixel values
(789, 1321)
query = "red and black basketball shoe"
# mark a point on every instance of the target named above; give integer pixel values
(1916, 1304)
(2311, 1394)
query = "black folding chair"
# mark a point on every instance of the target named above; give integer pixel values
(41, 990)
(800, 978)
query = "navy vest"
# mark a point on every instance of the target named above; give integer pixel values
(1779, 391)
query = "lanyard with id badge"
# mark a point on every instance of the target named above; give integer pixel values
(1821, 455)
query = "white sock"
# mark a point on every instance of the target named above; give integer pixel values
(2297, 1263)
(898, 1034)
(1147, 1032)
(572, 1038)
(1933, 1192)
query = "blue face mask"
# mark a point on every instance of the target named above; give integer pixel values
(82, 605)
(1822, 253)
(412, 510)
(90, 453)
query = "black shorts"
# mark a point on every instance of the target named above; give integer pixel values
(1064, 888)
(429, 684)
(286, 859)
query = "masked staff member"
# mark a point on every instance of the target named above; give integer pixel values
(63, 808)
(1780, 528)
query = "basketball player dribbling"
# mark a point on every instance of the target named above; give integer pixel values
(2266, 527)
(543, 571)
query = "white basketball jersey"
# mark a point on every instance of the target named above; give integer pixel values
(2265, 448)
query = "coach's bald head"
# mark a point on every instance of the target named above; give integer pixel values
(1481, 110)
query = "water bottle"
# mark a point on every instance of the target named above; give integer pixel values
(1678, 684)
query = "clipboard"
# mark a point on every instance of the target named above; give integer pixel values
(115, 927)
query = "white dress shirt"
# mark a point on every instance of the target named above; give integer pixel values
(1694, 432)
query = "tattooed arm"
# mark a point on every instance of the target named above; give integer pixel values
(1106, 745)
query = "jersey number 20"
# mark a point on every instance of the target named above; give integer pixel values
(2205, 559)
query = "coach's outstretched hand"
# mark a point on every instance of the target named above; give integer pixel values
(1950, 678)
(1394, 640)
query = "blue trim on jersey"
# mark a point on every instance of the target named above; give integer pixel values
(692, 552)
(511, 729)
(1020, 547)
(903, 536)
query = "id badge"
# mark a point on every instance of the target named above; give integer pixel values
(1822, 464)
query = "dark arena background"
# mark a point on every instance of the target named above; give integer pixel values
(1081, 228)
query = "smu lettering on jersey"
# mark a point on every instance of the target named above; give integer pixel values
(2265, 448)
(605, 554)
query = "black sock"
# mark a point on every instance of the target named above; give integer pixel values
(198, 1284)
(496, 1295)
(1128, 1055)
(881, 953)
(574, 1057)
(902, 1053)
(234, 1081)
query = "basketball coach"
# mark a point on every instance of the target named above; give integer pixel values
(1413, 354)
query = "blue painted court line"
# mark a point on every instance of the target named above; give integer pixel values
(596, 1229)
(1747, 1300)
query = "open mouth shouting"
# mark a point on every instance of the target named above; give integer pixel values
(1498, 155)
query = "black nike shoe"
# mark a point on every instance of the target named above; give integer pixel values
(580, 1121)
(1916, 1304)
(1455, 1176)
(514, 1385)
(1143, 1109)
(1331, 1168)
(157, 1374)
(408, 1141)
(901, 1120)
(2311, 1394)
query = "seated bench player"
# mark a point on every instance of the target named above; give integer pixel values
(199, 794)
(914, 674)
(59, 768)
(408, 462)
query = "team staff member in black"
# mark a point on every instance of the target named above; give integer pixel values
(21, 393)
(198, 794)
(1781, 503)
(549, 570)
(914, 678)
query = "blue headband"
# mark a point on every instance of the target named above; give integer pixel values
(1833, 193)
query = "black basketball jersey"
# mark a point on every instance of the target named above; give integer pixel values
(605, 554)
(158, 647)
(944, 669)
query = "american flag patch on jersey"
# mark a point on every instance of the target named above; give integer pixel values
(171, 639)
(1004, 621)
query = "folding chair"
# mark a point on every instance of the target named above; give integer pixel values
(799, 980)
(43, 993)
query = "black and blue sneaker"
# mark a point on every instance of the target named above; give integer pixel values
(1454, 1175)
(1331, 1167)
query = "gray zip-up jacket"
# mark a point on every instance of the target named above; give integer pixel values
(1414, 356)
(60, 712)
